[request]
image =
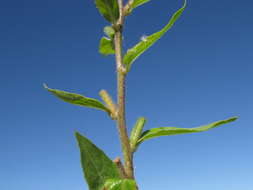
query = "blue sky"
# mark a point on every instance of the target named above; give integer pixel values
(199, 72)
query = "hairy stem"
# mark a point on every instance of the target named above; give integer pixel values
(122, 127)
(121, 75)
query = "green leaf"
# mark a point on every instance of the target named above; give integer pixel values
(78, 99)
(97, 167)
(120, 184)
(106, 46)
(167, 131)
(109, 9)
(109, 31)
(138, 3)
(136, 133)
(133, 53)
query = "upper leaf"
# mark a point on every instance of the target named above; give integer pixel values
(109, 9)
(106, 46)
(133, 53)
(78, 99)
(120, 184)
(138, 3)
(97, 167)
(134, 4)
(166, 131)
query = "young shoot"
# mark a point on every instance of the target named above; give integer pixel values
(100, 171)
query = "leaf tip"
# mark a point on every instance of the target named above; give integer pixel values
(185, 4)
(45, 86)
(234, 118)
(143, 118)
(77, 134)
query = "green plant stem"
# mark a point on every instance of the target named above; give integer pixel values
(121, 75)
(122, 127)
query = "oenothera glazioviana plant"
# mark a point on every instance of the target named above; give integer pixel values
(101, 173)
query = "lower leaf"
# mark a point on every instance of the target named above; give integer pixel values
(120, 184)
(97, 167)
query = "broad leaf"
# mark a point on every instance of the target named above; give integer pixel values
(109, 9)
(138, 3)
(136, 133)
(97, 167)
(78, 99)
(133, 53)
(120, 184)
(167, 131)
(106, 46)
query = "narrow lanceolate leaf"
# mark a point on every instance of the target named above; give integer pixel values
(106, 46)
(136, 133)
(109, 9)
(167, 131)
(146, 42)
(78, 99)
(97, 167)
(120, 184)
(138, 3)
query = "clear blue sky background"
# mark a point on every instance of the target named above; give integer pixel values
(200, 72)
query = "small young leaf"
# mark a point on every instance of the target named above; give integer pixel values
(134, 3)
(78, 99)
(133, 53)
(120, 184)
(106, 46)
(97, 167)
(167, 131)
(109, 9)
(138, 3)
(136, 133)
(109, 31)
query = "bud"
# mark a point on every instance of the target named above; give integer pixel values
(109, 103)
(136, 133)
